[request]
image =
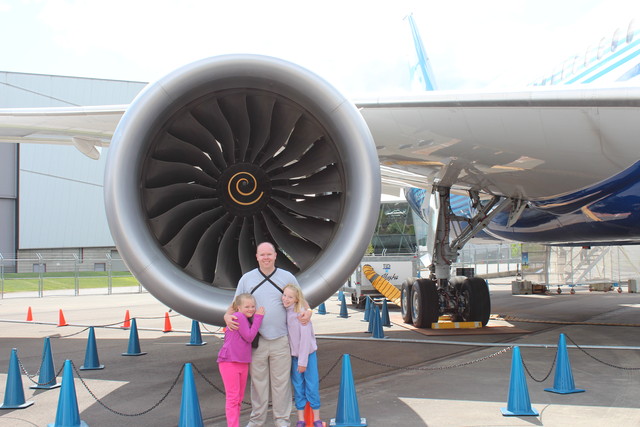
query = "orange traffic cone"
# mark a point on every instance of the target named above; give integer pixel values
(62, 322)
(167, 323)
(308, 416)
(29, 315)
(127, 321)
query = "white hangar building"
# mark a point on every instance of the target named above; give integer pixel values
(51, 197)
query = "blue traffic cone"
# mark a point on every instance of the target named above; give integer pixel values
(343, 309)
(386, 321)
(347, 412)
(372, 319)
(563, 381)
(340, 295)
(367, 310)
(91, 360)
(67, 414)
(47, 377)
(13, 392)
(134, 342)
(190, 414)
(322, 309)
(378, 332)
(196, 336)
(518, 403)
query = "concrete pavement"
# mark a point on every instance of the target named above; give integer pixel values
(411, 377)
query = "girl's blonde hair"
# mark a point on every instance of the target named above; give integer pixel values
(237, 301)
(301, 302)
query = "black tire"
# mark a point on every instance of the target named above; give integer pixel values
(475, 301)
(405, 301)
(425, 308)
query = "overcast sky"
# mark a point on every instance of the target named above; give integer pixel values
(362, 47)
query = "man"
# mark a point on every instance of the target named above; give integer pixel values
(271, 361)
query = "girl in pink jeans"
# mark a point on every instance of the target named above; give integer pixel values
(235, 355)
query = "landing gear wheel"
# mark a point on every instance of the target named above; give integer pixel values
(559, 291)
(405, 301)
(424, 303)
(475, 301)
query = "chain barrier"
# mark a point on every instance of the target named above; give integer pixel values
(31, 377)
(215, 387)
(70, 335)
(599, 360)
(156, 317)
(438, 368)
(211, 332)
(137, 414)
(555, 357)
(208, 381)
(331, 369)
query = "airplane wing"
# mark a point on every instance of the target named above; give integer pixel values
(527, 144)
(84, 127)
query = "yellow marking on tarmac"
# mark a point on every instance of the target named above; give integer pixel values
(456, 325)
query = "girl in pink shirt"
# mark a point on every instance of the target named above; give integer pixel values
(235, 355)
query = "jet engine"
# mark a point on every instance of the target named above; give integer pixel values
(226, 153)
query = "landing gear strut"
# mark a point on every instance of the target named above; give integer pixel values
(462, 298)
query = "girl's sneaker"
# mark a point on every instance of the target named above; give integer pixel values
(301, 424)
(318, 423)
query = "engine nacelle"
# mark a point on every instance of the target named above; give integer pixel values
(226, 153)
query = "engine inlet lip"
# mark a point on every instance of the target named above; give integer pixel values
(145, 118)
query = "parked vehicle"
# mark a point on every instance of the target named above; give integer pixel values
(395, 269)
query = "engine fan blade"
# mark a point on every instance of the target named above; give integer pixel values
(213, 119)
(327, 180)
(183, 245)
(260, 113)
(246, 246)
(304, 135)
(234, 108)
(300, 251)
(188, 129)
(283, 120)
(167, 225)
(324, 206)
(227, 263)
(315, 230)
(161, 199)
(160, 174)
(320, 155)
(200, 263)
(172, 149)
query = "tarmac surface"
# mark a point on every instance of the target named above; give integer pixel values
(410, 377)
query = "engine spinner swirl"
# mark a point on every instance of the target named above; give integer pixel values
(244, 189)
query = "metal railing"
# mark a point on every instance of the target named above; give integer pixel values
(46, 275)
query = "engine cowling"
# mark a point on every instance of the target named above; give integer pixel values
(228, 152)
